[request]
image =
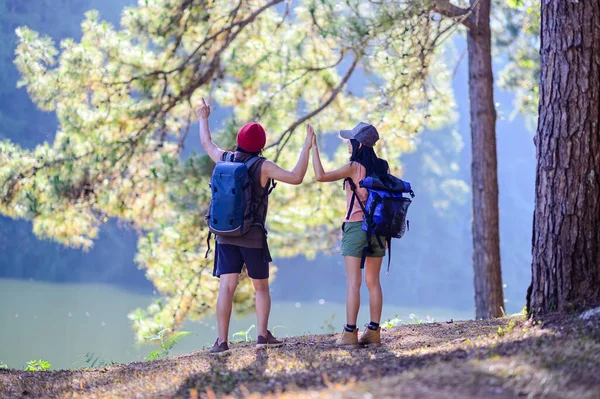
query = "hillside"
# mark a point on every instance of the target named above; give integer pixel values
(501, 358)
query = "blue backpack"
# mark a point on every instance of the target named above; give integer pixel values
(384, 212)
(230, 211)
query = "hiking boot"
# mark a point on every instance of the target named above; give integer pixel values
(268, 342)
(371, 338)
(348, 339)
(219, 350)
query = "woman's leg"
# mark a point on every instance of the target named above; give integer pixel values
(353, 281)
(372, 272)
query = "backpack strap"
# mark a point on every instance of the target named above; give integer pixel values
(367, 250)
(208, 244)
(389, 244)
(266, 253)
(271, 184)
(354, 197)
(228, 156)
(252, 161)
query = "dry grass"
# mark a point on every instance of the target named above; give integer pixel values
(501, 358)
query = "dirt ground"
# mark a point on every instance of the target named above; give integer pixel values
(502, 358)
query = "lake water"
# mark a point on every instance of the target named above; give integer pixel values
(60, 323)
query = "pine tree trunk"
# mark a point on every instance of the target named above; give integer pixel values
(489, 301)
(566, 228)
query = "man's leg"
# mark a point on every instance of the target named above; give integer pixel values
(225, 304)
(263, 304)
(228, 266)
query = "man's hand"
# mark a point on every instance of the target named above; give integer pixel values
(310, 136)
(203, 112)
(213, 151)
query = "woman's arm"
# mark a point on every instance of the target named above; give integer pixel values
(320, 174)
(213, 151)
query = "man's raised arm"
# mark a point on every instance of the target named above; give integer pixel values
(213, 151)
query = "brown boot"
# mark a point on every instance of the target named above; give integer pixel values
(348, 339)
(371, 338)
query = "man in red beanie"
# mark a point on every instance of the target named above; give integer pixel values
(251, 249)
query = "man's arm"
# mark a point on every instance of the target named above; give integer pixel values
(213, 151)
(270, 170)
(321, 175)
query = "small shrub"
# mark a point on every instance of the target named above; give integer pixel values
(328, 325)
(95, 361)
(389, 323)
(415, 320)
(507, 330)
(3, 366)
(37, 365)
(166, 344)
(244, 334)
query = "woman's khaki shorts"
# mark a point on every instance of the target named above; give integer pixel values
(354, 239)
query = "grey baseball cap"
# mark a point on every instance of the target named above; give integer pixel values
(363, 133)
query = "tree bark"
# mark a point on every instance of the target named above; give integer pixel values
(489, 300)
(566, 228)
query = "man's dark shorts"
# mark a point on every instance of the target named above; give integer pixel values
(231, 259)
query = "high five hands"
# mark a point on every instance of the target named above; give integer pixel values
(311, 137)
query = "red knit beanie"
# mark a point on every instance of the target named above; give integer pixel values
(252, 137)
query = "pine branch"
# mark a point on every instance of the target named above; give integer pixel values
(449, 10)
(285, 136)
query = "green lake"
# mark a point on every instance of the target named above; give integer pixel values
(61, 323)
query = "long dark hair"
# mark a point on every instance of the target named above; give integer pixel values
(366, 157)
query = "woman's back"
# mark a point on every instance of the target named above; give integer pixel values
(358, 173)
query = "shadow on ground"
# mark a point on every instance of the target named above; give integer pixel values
(501, 358)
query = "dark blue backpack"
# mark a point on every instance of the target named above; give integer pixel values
(384, 212)
(230, 211)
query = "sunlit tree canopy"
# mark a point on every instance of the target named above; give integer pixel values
(517, 36)
(125, 99)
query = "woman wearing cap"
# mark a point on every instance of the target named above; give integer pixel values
(233, 252)
(363, 163)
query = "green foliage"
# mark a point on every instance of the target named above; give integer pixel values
(517, 36)
(37, 365)
(3, 366)
(244, 334)
(391, 322)
(124, 99)
(502, 331)
(93, 360)
(515, 3)
(413, 319)
(328, 325)
(167, 341)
